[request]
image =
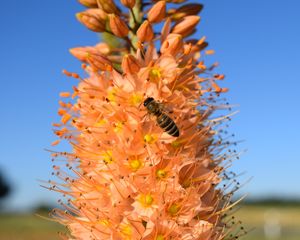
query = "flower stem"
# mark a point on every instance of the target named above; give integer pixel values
(134, 23)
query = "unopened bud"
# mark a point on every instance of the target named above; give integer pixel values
(186, 10)
(93, 19)
(128, 3)
(82, 52)
(145, 32)
(92, 56)
(98, 61)
(176, 1)
(103, 48)
(108, 6)
(186, 26)
(172, 45)
(130, 64)
(89, 3)
(118, 27)
(158, 12)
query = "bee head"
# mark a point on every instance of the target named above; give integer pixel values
(148, 100)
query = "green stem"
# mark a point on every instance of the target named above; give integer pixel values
(135, 21)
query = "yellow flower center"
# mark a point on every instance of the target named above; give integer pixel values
(118, 127)
(161, 173)
(155, 74)
(136, 99)
(149, 138)
(160, 237)
(173, 209)
(146, 200)
(112, 95)
(126, 230)
(100, 123)
(176, 144)
(107, 157)
(135, 164)
(104, 222)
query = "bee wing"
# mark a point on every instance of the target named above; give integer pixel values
(165, 108)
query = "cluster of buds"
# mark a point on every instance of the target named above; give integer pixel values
(105, 16)
(129, 177)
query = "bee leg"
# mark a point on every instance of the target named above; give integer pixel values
(145, 117)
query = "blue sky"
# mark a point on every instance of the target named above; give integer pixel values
(256, 43)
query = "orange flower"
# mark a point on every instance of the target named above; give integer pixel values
(126, 177)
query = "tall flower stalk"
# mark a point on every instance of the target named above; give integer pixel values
(127, 177)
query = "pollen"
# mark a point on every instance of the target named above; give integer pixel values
(65, 118)
(65, 94)
(150, 138)
(126, 230)
(112, 95)
(104, 222)
(100, 123)
(173, 209)
(176, 144)
(107, 157)
(61, 111)
(118, 127)
(135, 164)
(136, 99)
(155, 74)
(161, 173)
(209, 52)
(160, 237)
(146, 200)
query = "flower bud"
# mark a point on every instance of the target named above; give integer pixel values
(118, 27)
(172, 45)
(158, 12)
(128, 3)
(81, 52)
(186, 26)
(103, 48)
(89, 3)
(173, 1)
(145, 32)
(92, 56)
(108, 6)
(130, 64)
(93, 19)
(186, 10)
(176, 1)
(98, 61)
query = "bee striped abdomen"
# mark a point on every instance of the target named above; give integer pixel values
(167, 124)
(162, 119)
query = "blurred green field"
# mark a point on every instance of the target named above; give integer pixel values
(30, 227)
(283, 219)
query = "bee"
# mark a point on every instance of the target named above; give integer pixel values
(163, 120)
